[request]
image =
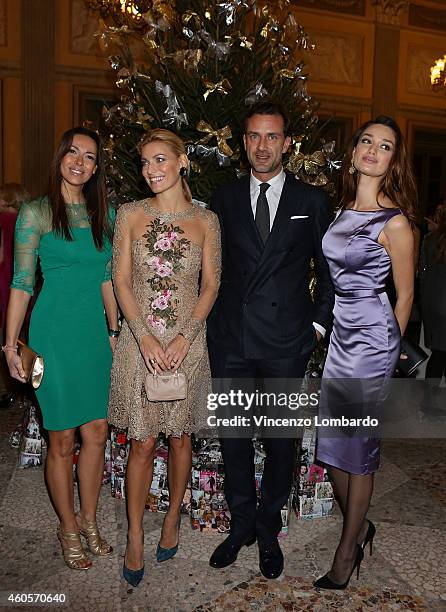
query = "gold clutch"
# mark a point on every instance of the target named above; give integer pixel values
(32, 364)
(166, 387)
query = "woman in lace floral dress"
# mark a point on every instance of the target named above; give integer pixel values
(161, 246)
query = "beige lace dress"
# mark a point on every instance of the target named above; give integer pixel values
(165, 265)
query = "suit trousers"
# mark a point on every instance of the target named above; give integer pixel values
(238, 453)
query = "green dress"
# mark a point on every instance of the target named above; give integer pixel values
(68, 324)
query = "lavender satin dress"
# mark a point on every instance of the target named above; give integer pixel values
(365, 341)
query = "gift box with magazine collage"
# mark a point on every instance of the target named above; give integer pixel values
(158, 493)
(209, 509)
(312, 493)
(311, 496)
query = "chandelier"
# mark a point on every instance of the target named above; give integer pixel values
(121, 11)
(438, 75)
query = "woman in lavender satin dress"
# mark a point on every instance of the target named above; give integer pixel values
(371, 236)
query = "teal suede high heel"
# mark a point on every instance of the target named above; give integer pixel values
(133, 577)
(164, 554)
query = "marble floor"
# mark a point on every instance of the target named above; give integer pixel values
(407, 569)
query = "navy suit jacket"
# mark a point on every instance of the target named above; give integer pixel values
(264, 309)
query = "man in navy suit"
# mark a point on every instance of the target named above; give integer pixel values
(265, 323)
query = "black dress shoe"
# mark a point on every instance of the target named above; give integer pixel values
(226, 553)
(270, 560)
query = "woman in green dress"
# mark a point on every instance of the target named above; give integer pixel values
(69, 230)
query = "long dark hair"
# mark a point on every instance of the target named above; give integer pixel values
(440, 236)
(398, 184)
(94, 191)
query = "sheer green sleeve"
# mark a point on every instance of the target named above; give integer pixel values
(28, 231)
(108, 266)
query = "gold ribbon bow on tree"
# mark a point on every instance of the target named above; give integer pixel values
(107, 35)
(312, 164)
(190, 58)
(222, 87)
(221, 135)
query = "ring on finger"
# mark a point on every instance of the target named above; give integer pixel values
(153, 360)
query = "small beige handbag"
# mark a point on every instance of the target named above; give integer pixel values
(166, 387)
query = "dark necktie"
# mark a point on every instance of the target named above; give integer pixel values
(262, 212)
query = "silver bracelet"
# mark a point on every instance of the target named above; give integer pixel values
(9, 348)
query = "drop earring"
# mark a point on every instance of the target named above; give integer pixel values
(352, 168)
(183, 171)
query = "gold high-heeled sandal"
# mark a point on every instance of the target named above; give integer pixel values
(73, 553)
(90, 531)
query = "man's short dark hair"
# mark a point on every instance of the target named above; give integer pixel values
(268, 107)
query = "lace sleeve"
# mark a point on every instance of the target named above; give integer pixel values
(122, 274)
(107, 271)
(210, 278)
(28, 231)
(108, 265)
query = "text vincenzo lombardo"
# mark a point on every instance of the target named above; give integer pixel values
(263, 421)
(242, 400)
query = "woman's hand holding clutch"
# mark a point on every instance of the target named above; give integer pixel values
(153, 354)
(14, 363)
(177, 351)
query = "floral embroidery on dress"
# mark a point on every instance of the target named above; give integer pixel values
(164, 238)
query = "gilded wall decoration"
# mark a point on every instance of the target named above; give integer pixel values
(419, 61)
(2, 23)
(427, 17)
(83, 26)
(352, 7)
(390, 11)
(338, 58)
(88, 105)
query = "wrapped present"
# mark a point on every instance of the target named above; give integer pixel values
(76, 451)
(30, 446)
(119, 451)
(209, 509)
(106, 477)
(285, 514)
(158, 496)
(312, 494)
(15, 436)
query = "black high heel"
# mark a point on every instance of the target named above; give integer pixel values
(369, 537)
(326, 583)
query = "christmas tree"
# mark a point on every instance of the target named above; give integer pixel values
(195, 66)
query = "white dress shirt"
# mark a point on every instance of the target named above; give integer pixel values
(273, 197)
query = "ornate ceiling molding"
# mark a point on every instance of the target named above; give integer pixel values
(390, 11)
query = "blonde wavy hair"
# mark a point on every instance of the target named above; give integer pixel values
(175, 144)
